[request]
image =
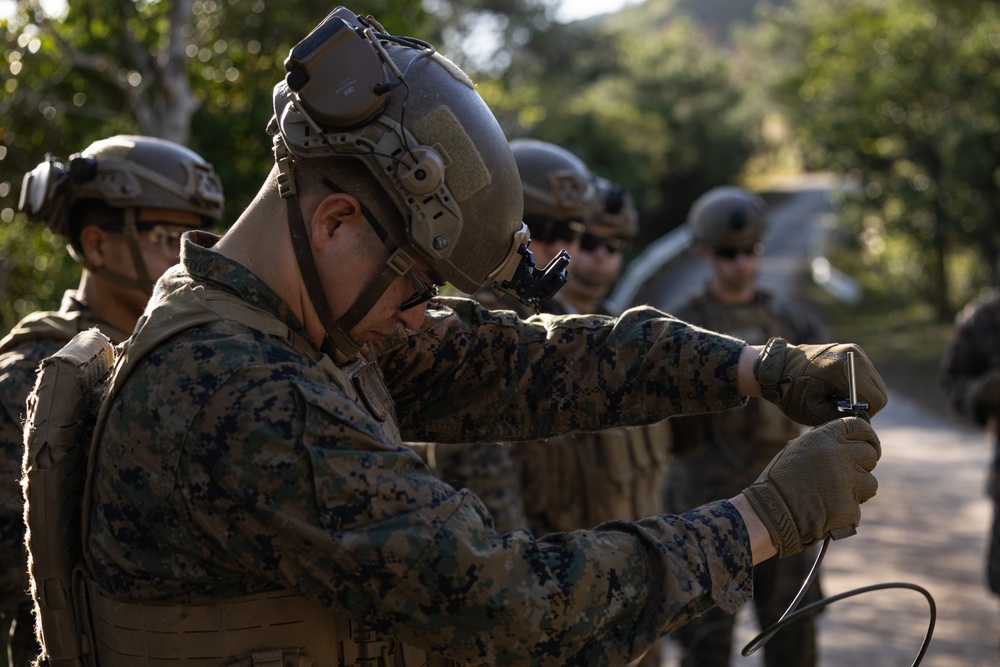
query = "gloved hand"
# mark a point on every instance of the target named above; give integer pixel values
(985, 392)
(817, 376)
(815, 485)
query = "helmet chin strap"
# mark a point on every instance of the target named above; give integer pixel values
(142, 282)
(337, 329)
(337, 336)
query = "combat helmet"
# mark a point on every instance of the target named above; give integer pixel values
(557, 184)
(414, 119)
(124, 172)
(618, 215)
(728, 216)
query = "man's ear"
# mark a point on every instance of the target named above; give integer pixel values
(94, 246)
(337, 212)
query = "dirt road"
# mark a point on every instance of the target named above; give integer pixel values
(927, 525)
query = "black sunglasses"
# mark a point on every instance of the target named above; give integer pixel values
(730, 253)
(591, 242)
(422, 294)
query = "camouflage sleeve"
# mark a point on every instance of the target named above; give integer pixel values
(472, 374)
(971, 352)
(318, 503)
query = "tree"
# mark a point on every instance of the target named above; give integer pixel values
(199, 72)
(656, 110)
(905, 95)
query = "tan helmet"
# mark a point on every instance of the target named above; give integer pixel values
(557, 184)
(415, 120)
(728, 216)
(124, 172)
(619, 216)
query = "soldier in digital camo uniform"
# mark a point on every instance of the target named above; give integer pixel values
(970, 376)
(122, 204)
(252, 498)
(718, 453)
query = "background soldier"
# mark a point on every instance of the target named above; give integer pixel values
(559, 201)
(970, 375)
(580, 480)
(583, 479)
(122, 203)
(251, 473)
(715, 454)
(598, 264)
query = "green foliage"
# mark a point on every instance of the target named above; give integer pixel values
(899, 330)
(905, 95)
(35, 271)
(656, 110)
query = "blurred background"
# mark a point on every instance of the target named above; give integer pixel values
(876, 122)
(668, 97)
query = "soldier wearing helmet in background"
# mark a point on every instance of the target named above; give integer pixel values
(714, 454)
(559, 201)
(122, 204)
(581, 480)
(252, 499)
(598, 264)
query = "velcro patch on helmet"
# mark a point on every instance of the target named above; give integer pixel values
(466, 173)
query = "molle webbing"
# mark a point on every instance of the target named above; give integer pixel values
(278, 629)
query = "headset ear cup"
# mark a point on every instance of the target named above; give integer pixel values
(44, 194)
(338, 75)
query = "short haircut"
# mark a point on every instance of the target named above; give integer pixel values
(351, 176)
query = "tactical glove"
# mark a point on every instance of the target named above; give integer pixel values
(814, 486)
(817, 377)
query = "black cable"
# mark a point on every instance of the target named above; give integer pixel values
(791, 615)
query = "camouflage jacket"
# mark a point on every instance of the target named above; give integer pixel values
(717, 455)
(567, 482)
(231, 463)
(32, 339)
